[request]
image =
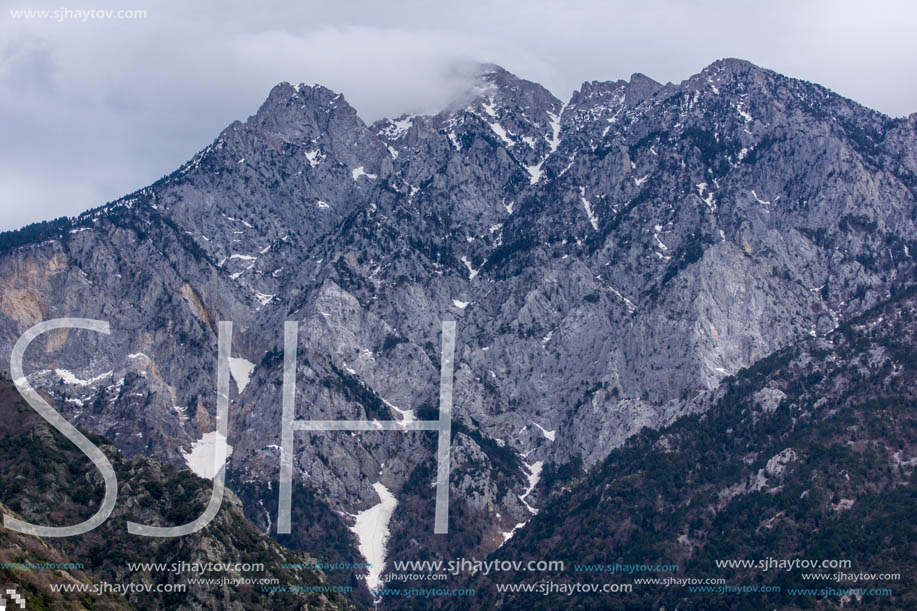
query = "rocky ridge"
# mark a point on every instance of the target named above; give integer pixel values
(608, 260)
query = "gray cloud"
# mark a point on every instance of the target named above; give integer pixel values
(90, 111)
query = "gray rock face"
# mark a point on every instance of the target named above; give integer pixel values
(607, 260)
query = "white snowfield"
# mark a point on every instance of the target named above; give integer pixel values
(587, 205)
(241, 370)
(549, 435)
(358, 172)
(534, 476)
(203, 454)
(407, 415)
(371, 529)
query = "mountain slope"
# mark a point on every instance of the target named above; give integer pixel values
(808, 454)
(45, 479)
(608, 260)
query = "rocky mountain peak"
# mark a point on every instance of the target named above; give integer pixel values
(505, 87)
(639, 88)
(733, 65)
(303, 112)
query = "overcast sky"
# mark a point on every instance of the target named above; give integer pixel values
(92, 110)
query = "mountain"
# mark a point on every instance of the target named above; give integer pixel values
(609, 261)
(45, 479)
(808, 454)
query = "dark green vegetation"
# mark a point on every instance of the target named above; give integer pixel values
(808, 454)
(45, 479)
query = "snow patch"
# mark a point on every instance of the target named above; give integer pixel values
(507, 535)
(241, 371)
(503, 134)
(489, 107)
(534, 476)
(398, 128)
(629, 303)
(471, 271)
(205, 453)
(407, 415)
(758, 199)
(263, 298)
(743, 113)
(593, 219)
(549, 435)
(701, 187)
(371, 529)
(535, 172)
(554, 141)
(315, 157)
(69, 378)
(357, 172)
(710, 203)
(460, 304)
